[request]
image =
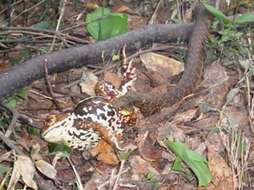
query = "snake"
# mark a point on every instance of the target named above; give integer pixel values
(152, 102)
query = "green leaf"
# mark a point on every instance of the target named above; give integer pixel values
(124, 155)
(102, 24)
(14, 61)
(216, 12)
(17, 97)
(244, 18)
(3, 169)
(42, 25)
(177, 165)
(22, 93)
(196, 162)
(33, 131)
(12, 102)
(150, 178)
(56, 148)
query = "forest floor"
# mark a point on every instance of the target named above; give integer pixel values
(216, 121)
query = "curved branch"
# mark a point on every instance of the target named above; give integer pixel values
(25, 73)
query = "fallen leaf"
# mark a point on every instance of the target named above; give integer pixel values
(24, 168)
(46, 169)
(121, 9)
(113, 78)
(141, 167)
(173, 129)
(91, 5)
(164, 65)
(35, 152)
(184, 116)
(216, 81)
(105, 153)
(5, 156)
(88, 82)
(222, 174)
(148, 150)
(197, 162)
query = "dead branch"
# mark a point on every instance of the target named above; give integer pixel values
(25, 73)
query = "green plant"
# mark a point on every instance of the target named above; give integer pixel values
(227, 43)
(196, 162)
(59, 148)
(103, 24)
(17, 97)
(150, 178)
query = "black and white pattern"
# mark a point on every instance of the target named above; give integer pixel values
(65, 132)
(97, 109)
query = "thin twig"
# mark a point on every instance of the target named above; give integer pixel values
(50, 86)
(63, 2)
(18, 116)
(29, 9)
(79, 183)
(119, 175)
(153, 17)
(136, 55)
(10, 144)
(15, 117)
(42, 32)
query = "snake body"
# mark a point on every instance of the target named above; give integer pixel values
(152, 102)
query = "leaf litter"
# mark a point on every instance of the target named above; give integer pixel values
(192, 123)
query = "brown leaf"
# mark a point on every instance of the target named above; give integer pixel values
(164, 65)
(221, 172)
(46, 169)
(23, 167)
(35, 152)
(173, 129)
(5, 156)
(105, 153)
(91, 5)
(141, 167)
(120, 9)
(147, 150)
(89, 80)
(216, 81)
(113, 78)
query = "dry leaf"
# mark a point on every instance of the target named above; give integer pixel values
(184, 116)
(35, 152)
(105, 153)
(216, 80)
(88, 82)
(141, 167)
(91, 5)
(24, 168)
(222, 174)
(120, 9)
(147, 149)
(164, 65)
(113, 78)
(5, 156)
(46, 169)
